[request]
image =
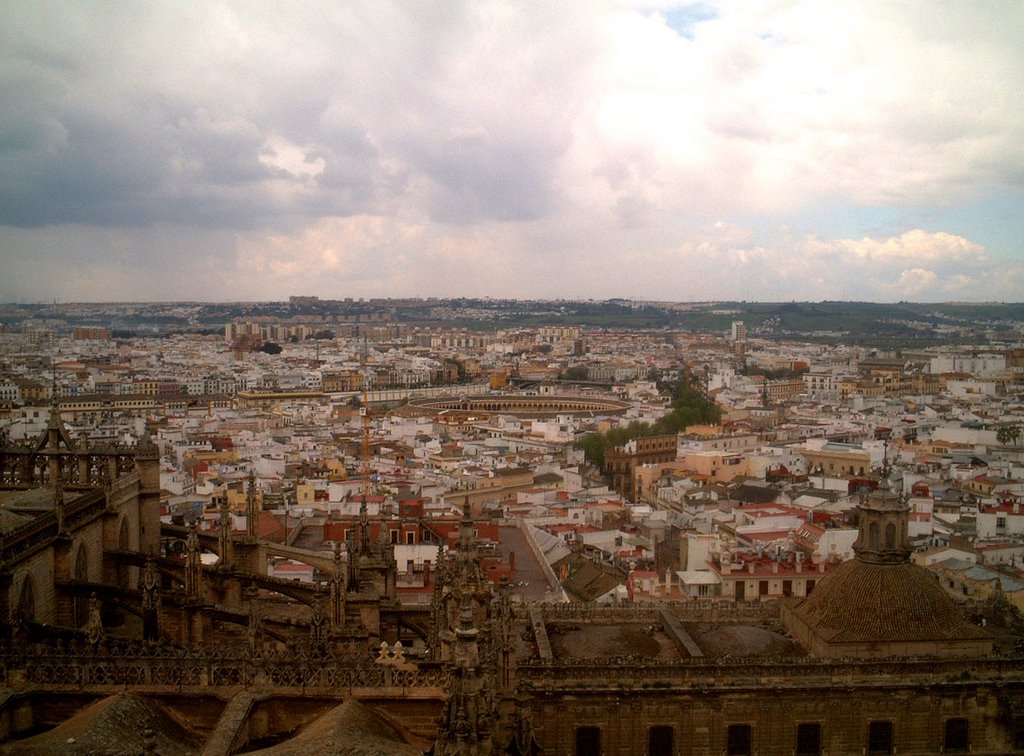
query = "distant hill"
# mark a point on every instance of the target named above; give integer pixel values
(901, 324)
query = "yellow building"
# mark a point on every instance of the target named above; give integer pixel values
(716, 465)
(838, 459)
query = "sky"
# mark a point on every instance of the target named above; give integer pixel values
(737, 150)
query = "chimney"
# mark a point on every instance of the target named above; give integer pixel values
(775, 568)
(750, 567)
(512, 560)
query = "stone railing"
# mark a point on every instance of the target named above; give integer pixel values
(81, 665)
(639, 672)
(649, 611)
(127, 482)
(24, 538)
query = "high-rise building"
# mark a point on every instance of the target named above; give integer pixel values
(739, 331)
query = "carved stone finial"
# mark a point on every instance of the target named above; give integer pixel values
(94, 624)
(58, 506)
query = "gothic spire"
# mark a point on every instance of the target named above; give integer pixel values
(252, 513)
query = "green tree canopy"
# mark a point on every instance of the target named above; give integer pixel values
(689, 407)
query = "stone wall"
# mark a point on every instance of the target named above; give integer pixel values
(699, 721)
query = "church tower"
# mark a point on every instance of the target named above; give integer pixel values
(883, 527)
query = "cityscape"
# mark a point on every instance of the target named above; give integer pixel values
(308, 526)
(479, 378)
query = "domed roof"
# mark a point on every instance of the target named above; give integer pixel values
(877, 603)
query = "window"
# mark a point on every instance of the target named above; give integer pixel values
(410, 537)
(394, 536)
(27, 601)
(808, 739)
(81, 605)
(739, 740)
(890, 536)
(660, 741)
(957, 740)
(588, 741)
(880, 737)
(1000, 522)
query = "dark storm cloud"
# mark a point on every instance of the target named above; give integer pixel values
(172, 117)
(148, 160)
(503, 181)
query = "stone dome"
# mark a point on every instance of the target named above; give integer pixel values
(880, 604)
(862, 602)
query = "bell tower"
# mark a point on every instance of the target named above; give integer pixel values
(883, 527)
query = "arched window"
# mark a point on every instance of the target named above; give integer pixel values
(82, 574)
(873, 535)
(27, 600)
(81, 564)
(123, 544)
(890, 536)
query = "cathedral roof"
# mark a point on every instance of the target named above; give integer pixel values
(880, 603)
(865, 602)
(112, 725)
(350, 728)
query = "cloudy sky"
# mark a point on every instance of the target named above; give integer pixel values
(868, 150)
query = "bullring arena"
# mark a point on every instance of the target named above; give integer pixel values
(527, 406)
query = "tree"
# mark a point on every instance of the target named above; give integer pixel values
(323, 333)
(455, 368)
(594, 445)
(1008, 434)
(689, 407)
(269, 347)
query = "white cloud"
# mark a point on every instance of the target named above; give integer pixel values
(375, 255)
(915, 245)
(769, 107)
(571, 148)
(912, 283)
(278, 152)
